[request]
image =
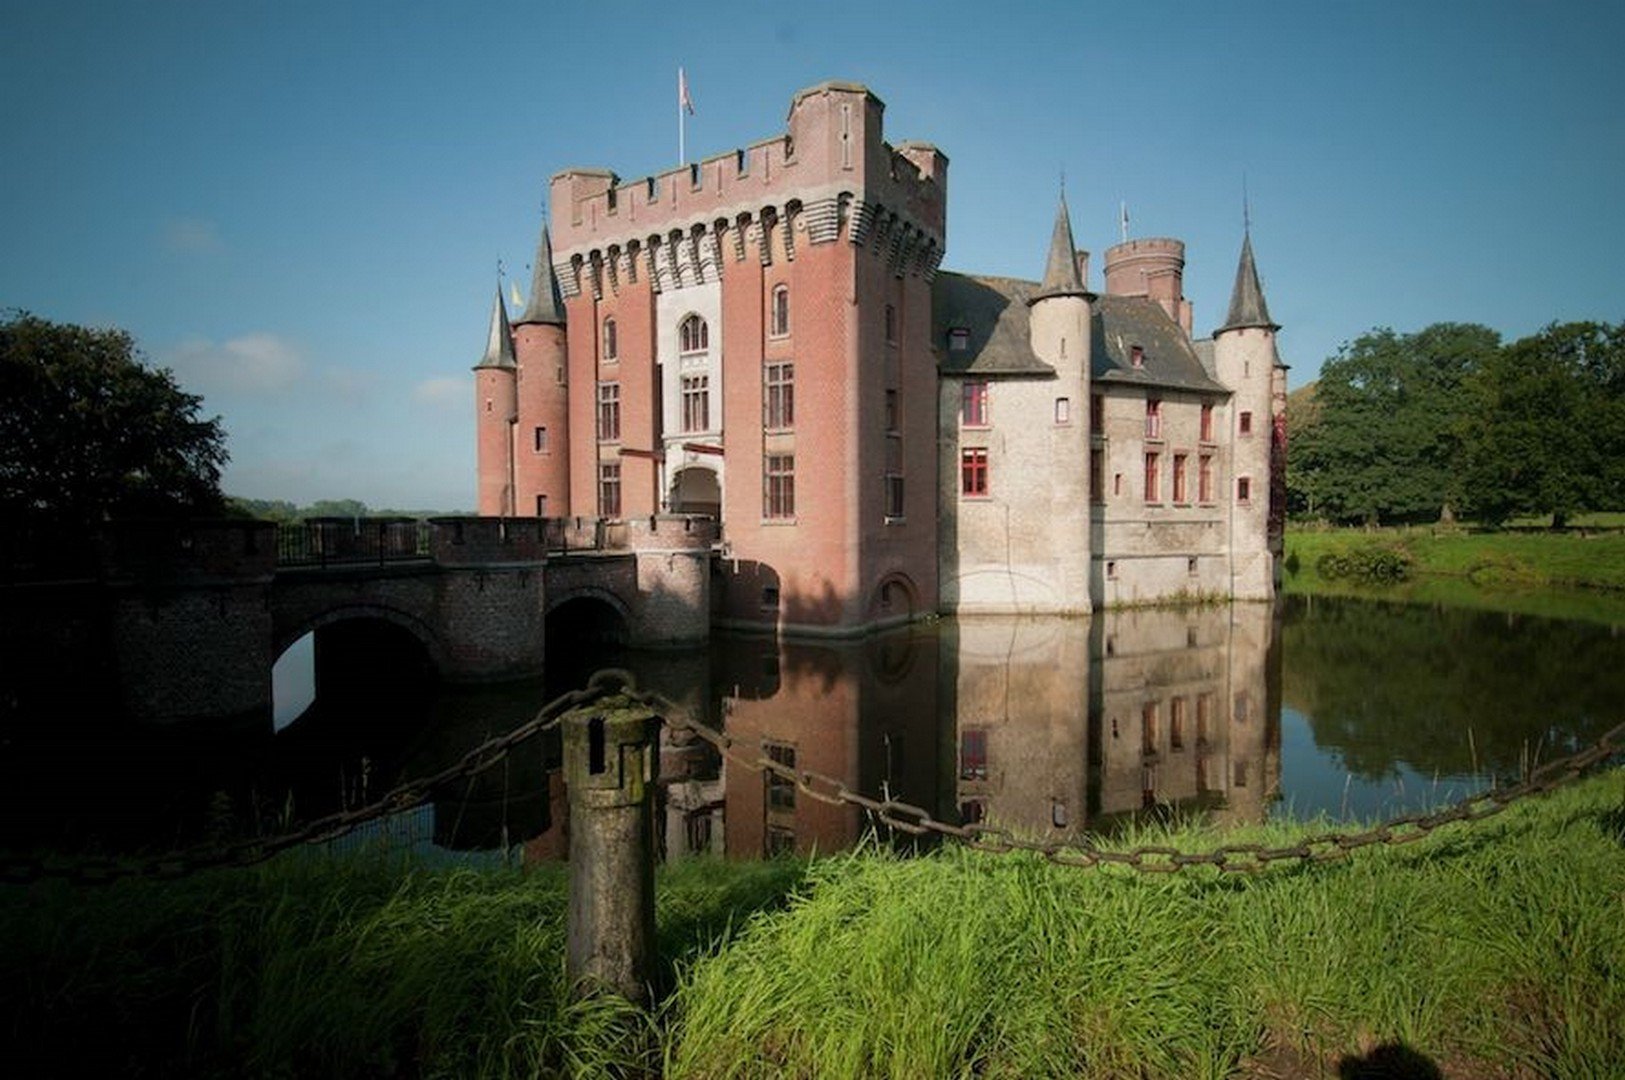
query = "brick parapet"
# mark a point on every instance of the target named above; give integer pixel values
(469, 541)
(189, 550)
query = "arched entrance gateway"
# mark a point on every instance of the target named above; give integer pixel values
(696, 490)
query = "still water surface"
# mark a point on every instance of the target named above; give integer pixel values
(1350, 709)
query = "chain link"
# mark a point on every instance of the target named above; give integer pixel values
(1239, 858)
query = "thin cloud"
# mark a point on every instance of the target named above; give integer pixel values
(192, 236)
(253, 364)
(444, 394)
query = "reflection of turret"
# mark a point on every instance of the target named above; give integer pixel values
(693, 778)
(1020, 691)
(1184, 715)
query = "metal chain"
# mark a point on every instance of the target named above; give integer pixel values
(894, 813)
(98, 870)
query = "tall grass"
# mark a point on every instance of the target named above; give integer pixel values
(1486, 949)
(1500, 945)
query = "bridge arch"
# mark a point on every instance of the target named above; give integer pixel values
(425, 635)
(587, 616)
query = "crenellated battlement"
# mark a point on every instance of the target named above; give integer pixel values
(829, 175)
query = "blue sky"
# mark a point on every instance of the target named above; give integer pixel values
(299, 207)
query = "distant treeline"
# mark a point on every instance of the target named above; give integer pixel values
(1449, 421)
(286, 513)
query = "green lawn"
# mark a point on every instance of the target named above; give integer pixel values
(1576, 573)
(1489, 949)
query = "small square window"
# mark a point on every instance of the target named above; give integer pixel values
(1190, 566)
(958, 339)
(1245, 423)
(1136, 356)
(1063, 410)
(1244, 489)
(540, 437)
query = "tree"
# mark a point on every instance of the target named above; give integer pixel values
(1546, 430)
(89, 432)
(1383, 444)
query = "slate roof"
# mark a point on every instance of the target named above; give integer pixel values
(997, 314)
(1247, 307)
(545, 306)
(995, 311)
(499, 339)
(1171, 359)
(1061, 266)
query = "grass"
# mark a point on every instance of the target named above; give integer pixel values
(1573, 574)
(1494, 949)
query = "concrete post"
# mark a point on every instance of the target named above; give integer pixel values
(611, 761)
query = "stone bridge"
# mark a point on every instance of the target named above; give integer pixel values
(192, 617)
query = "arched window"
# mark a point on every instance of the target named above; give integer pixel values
(692, 335)
(779, 322)
(611, 346)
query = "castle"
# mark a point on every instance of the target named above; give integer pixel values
(764, 337)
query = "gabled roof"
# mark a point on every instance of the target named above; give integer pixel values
(994, 313)
(1169, 358)
(499, 339)
(1247, 307)
(544, 305)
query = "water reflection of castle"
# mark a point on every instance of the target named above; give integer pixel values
(1047, 726)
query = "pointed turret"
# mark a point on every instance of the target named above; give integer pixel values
(1247, 307)
(1061, 268)
(499, 343)
(544, 306)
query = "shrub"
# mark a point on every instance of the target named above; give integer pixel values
(1369, 564)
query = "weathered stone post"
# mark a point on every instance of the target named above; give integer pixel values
(611, 759)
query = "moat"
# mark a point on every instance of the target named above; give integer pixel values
(1054, 727)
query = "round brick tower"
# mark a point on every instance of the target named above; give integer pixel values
(1152, 267)
(542, 444)
(496, 406)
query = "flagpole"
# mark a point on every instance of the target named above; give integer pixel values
(682, 149)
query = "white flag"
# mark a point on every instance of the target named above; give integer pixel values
(684, 101)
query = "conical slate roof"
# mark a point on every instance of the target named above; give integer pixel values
(1247, 307)
(544, 305)
(1061, 268)
(499, 343)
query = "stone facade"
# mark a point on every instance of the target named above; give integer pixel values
(763, 337)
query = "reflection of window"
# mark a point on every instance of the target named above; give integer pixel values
(692, 335)
(973, 471)
(1176, 724)
(609, 491)
(781, 790)
(780, 841)
(1057, 813)
(697, 830)
(696, 402)
(1243, 706)
(1148, 726)
(779, 321)
(1241, 774)
(1204, 717)
(972, 811)
(973, 407)
(973, 754)
(894, 495)
(779, 486)
(779, 392)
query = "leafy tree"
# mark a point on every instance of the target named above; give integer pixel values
(1546, 429)
(1384, 444)
(89, 432)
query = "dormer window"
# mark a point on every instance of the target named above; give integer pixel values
(1136, 356)
(958, 339)
(693, 336)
